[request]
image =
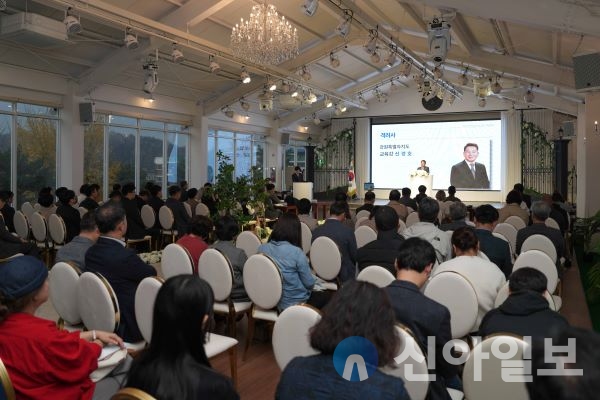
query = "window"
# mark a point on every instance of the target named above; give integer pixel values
(121, 155)
(93, 155)
(243, 149)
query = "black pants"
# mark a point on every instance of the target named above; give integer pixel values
(319, 299)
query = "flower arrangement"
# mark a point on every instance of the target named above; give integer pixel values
(152, 257)
(419, 172)
(263, 233)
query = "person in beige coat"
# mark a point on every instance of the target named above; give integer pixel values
(513, 207)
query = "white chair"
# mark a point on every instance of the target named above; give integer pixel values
(264, 284)
(148, 216)
(481, 254)
(482, 377)
(510, 233)
(217, 344)
(401, 226)
(7, 391)
(145, 297)
(63, 282)
(167, 220)
(504, 292)
(359, 221)
(27, 209)
(82, 211)
(39, 228)
(364, 235)
(444, 288)
(58, 230)
(541, 243)
(362, 213)
(291, 334)
(542, 262)
(215, 268)
(188, 208)
(176, 260)
(248, 241)
(326, 260)
(551, 223)
(412, 218)
(21, 225)
(376, 275)
(515, 221)
(202, 209)
(306, 237)
(129, 393)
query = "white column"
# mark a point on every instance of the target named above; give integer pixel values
(198, 150)
(70, 148)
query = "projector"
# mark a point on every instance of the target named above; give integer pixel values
(439, 40)
(310, 7)
(151, 77)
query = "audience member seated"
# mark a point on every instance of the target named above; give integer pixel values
(142, 198)
(576, 375)
(384, 249)
(304, 213)
(526, 311)
(285, 248)
(156, 202)
(197, 238)
(226, 230)
(81, 196)
(115, 196)
(452, 194)
(69, 214)
(369, 202)
(182, 218)
(513, 208)
(210, 199)
(526, 198)
(11, 244)
(58, 192)
(370, 222)
(425, 229)
(358, 309)
(135, 225)
(422, 315)
(398, 205)
(407, 200)
(44, 362)
(175, 365)
(46, 202)
(496, 249)
(342, 199)
(422, 193)
(121, 266)
(184, 188)
(270, 210)
(485, 277)
(92, 193)
(440, 195)
(74, 251)
(7, 211)
(458, 215)
(192, 200)
(539, 214)
(557, 213)
(343, 236)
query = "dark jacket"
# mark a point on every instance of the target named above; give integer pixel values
(540, 228)
(523, 313)
(496, 249)
(346, 241)
(182, 218)
(124, 270)
(89, 203)
(462, 177)
(135, 225)
(8, 213)
(156, 203)
(382, 251)
(408, 202)
(454, 225)
(420, 197)
(11, 244)
(72, 219)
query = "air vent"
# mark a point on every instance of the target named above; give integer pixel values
(33, 30)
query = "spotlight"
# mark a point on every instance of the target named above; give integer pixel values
(463, 80)
(438, 73)
(419, 79)
(337, 110)
(295, 93)
(450, 98)
(150, 98)
(405, 68)
(529, 96)
(361, 99)
(375, 58)
(312, 97)
(213, 65)
(481, 102)
(371, 44)
(316, 120)
(343, 108)
(328, 103)
(271, 85)
(343, 29)
(496, 87)
(285, 87)
(228, 112)
(176, 54)
(390, 59)
(244, 76)
(72, 23)
(305, 73)
(246, 117)
(441, 92)
(244, 104)
(151, 77)
(333, 60)
(310, 7)
(130, 40)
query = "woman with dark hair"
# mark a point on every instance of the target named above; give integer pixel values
(70, 215)
(285, 248)
(46, 202)
(358, 309)
(513, 208)
(226, 230)
(485, 276)
(197, 238)
(174, 366)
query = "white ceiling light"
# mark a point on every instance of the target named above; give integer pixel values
(244, 104)
(177, 55)
(390, 59)
(72, 23)
(295, 93)
(481, 102)
(213, 65)
(450, 98)
(285, 87)
(271, 85)
(438, 72)
(334, 61)
(310, 7)
(343, 29)
(316, 120)
(496, 87)
(312, 97)
(529, 96)
(328, 103)
(228, 112)
(338, 110)
(130, 40)
(305, 74)
(375, 58)
(244, 76)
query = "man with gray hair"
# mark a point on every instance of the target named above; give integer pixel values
(457, 214)
(539, 214)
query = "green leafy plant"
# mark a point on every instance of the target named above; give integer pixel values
(532, 133)
(330, 149)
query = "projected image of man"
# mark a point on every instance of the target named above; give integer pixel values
(469, 174)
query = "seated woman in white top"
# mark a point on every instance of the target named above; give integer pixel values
(485, 276)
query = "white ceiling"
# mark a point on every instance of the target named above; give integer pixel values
(525, 42)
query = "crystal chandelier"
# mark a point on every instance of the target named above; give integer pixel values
(266, 38)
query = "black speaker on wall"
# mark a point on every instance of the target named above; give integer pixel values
(86, 113)
(285, 138)
(586, 68)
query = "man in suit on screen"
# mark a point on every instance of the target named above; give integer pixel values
(469, 174)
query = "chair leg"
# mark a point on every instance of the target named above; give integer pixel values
(233, 365)
(249, 335)
(231, 323)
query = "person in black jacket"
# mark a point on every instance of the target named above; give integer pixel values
(182, 218)
(495, 248)
(135, 225)
(384, 249)
(7, 210)
(92, 193)
(69, 213)
(526, 311)
(10, 244)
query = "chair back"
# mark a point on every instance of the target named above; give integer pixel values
(148, 216)
(263, 281)
(188, 208)
(131, 394)
(248, 241)
(359, 221)
(541, 243)
(412, 358)
(539, 260)
(364, 235)
(291, 334)
(145, 297)
(551, 223)
(202, 209)
(412, 219)
(176, 261)
(306, 237)
(509, 232)
(215, 269)
(504, 292)
(443, 288)
(515, 221)
(401, 226)
(27, 209)
(64, 279)
(57, 228)
(82, 211)
(21, 225)
(166, 218)
(376, 275)
(362, 213)
(98, 305)
(39, 227)
(483, 377)
(7, 390)
(325, 258)
(37, 206)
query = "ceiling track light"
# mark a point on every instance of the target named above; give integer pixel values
(310, 7)
(151, 74)
(245, 76)
(371, 44)
(130, 40)
(361, 99)
(305, 74)
(338, 110)
(529, 95)
(271, 85)
(334, 61)
(328, 103)
(244, 104)
(438, 72)
(375, 57)
(343, 28)
(481, 102)
(294, 93)
(72, 22)
(463, 80)
(285, 87)
(390, 59)
(316, 119)
(176, 54)
(213, 65)
(405, 68)
(496, 86)
(228, 112)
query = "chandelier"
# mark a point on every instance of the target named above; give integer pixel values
(266, 38)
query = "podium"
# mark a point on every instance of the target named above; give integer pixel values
(303, 190)
(416, 181)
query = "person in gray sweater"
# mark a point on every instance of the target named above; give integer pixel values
(74, 251)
